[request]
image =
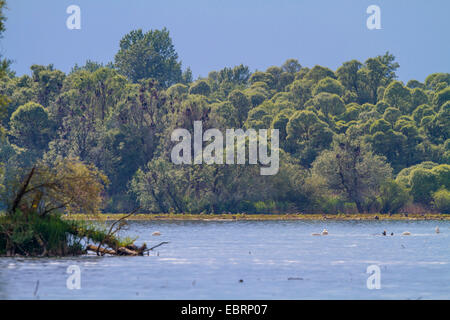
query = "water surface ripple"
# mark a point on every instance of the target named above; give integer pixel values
(275, 260)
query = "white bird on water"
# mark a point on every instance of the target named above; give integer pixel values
(156, 233)
(437, 230)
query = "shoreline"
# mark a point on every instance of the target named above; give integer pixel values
(262, 217)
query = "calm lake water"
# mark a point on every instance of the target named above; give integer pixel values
(275, 260)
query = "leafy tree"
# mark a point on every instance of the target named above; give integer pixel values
(49, 83)
(348, 75)
(418, 97)
(351, 169)
(200, 87)
(3, 100)
(177, 90)
(149, 55)
(67, 184)
(264, 77)
(412, 84)
(410, 153)
(256, 97)
(442, 173)
(31, 127)
(391, 115)
(291, 66)
(329, 85)
(423, 184)
(91, 66)
(422, 111)
(398, 96)
(393, 196)
(307, 135)
(187, 77)
(161, 188)
(318, 73)
(330, 104)
(238, 75)
(438, 126)
(441, 200)
(434, 80)
(442, 97)
(262, 116)
(241, 104)
(118, 118)
(390, 66)
(301, 92)
(378, 71)
(280, 122)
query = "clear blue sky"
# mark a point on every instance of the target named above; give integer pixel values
(212, 34)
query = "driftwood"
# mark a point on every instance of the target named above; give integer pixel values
(122, 222)
(122, 251)
(164, 242)
(91, 247)
(130, 250)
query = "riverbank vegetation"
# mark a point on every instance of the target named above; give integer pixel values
(33, 223)
(262, 217)
(352, 140)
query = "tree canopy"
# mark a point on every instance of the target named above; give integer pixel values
(149, 55)
(349, 138)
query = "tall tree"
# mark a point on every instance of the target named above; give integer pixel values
(149, 55)
(351, 169)
(3, 100)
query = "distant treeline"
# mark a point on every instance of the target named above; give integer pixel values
(352, 140)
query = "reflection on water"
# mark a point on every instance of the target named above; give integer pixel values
(275, 260)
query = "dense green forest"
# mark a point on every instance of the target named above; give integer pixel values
(352, 140)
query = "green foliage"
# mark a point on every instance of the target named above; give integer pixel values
(48, 83)
(329, 103)
(31, 126)
(398, 96)
(442, 96)
(441, 200)
(352, 170)
(119, 118)
(307, 135)
(3, 99)
(329, 85)
(149, 55)
(177, 90)
(200, 87)
(318, 73)
(434, 80)
(393, 196)
(348, 75)
(412, 84)
(291, 66)
(31, 234)
(442, 173)
(423, 184)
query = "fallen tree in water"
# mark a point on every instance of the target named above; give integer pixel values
(129, 250)
(31, 235)
(33, 224)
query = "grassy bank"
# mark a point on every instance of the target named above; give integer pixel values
(30, 234)
(258, 217)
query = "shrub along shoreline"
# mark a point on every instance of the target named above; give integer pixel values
(258, 217)
(29, 234)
